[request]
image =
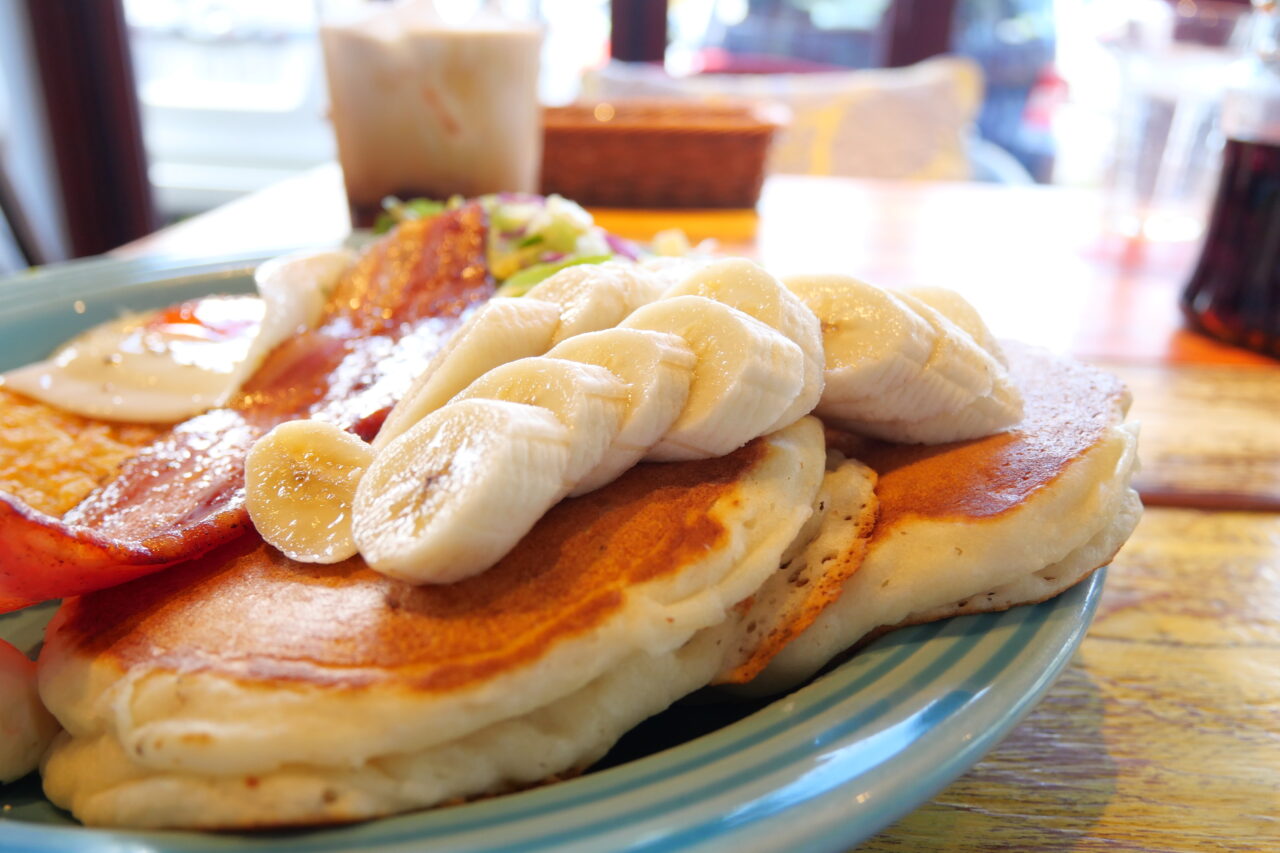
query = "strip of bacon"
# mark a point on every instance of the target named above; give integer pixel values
(184, 494)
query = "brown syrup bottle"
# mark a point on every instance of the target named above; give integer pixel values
(1234, 292)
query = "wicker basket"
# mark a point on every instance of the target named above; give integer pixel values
(657, 153)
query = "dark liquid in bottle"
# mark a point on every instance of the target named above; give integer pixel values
(1234, 293)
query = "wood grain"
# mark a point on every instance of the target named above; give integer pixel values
(1210, 434)
(1164, 732)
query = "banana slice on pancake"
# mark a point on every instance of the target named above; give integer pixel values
(957, 364)
(300, 483)
(588, 399)
(980, 397)
(991, 413)
(873, 344)
(449, 497)
(244, 690)
(898, 369)
(956, 372)
(502, 330)
(591, 297)
(958, 310)
(642, 282)
(745, 285)
(1000, 408)
(657, 368)
(1009, 519)
(746, 374)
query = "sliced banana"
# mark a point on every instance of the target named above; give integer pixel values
(300, 481)
(641, 284)
(745, 285)
(591, 297)
(745, 375)
(991, 402)
(502, 330)
(999, 410)
(667, 272)
(932, 392)
(872, 343)
(955, 372)
(898, 368)
(589, 400)
(957, 309)
(658, 370)
(457, 491)
(958, 370)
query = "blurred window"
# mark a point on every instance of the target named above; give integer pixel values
(231, 95)
(761, 36)
(1012, 40)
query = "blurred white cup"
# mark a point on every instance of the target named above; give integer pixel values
(428, 105)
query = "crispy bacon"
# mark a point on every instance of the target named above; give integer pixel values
(184, 494)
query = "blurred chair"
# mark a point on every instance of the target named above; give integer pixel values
(991, 164)
(900, 123)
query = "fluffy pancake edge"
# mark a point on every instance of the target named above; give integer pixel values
(211, 723)
(814, 569)
(922, 568)
(94, 778)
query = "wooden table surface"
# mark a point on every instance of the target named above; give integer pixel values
(1164, 731)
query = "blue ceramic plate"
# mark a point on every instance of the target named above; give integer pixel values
(819, 769)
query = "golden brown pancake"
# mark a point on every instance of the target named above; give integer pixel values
(1069, 408)
(244, 664)
(826, 553)
(238, 611)
(987, 524)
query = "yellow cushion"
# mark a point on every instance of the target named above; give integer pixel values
(879, 123)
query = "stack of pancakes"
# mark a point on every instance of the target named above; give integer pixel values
(241, 689)
(981, 526)
(245, 690)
